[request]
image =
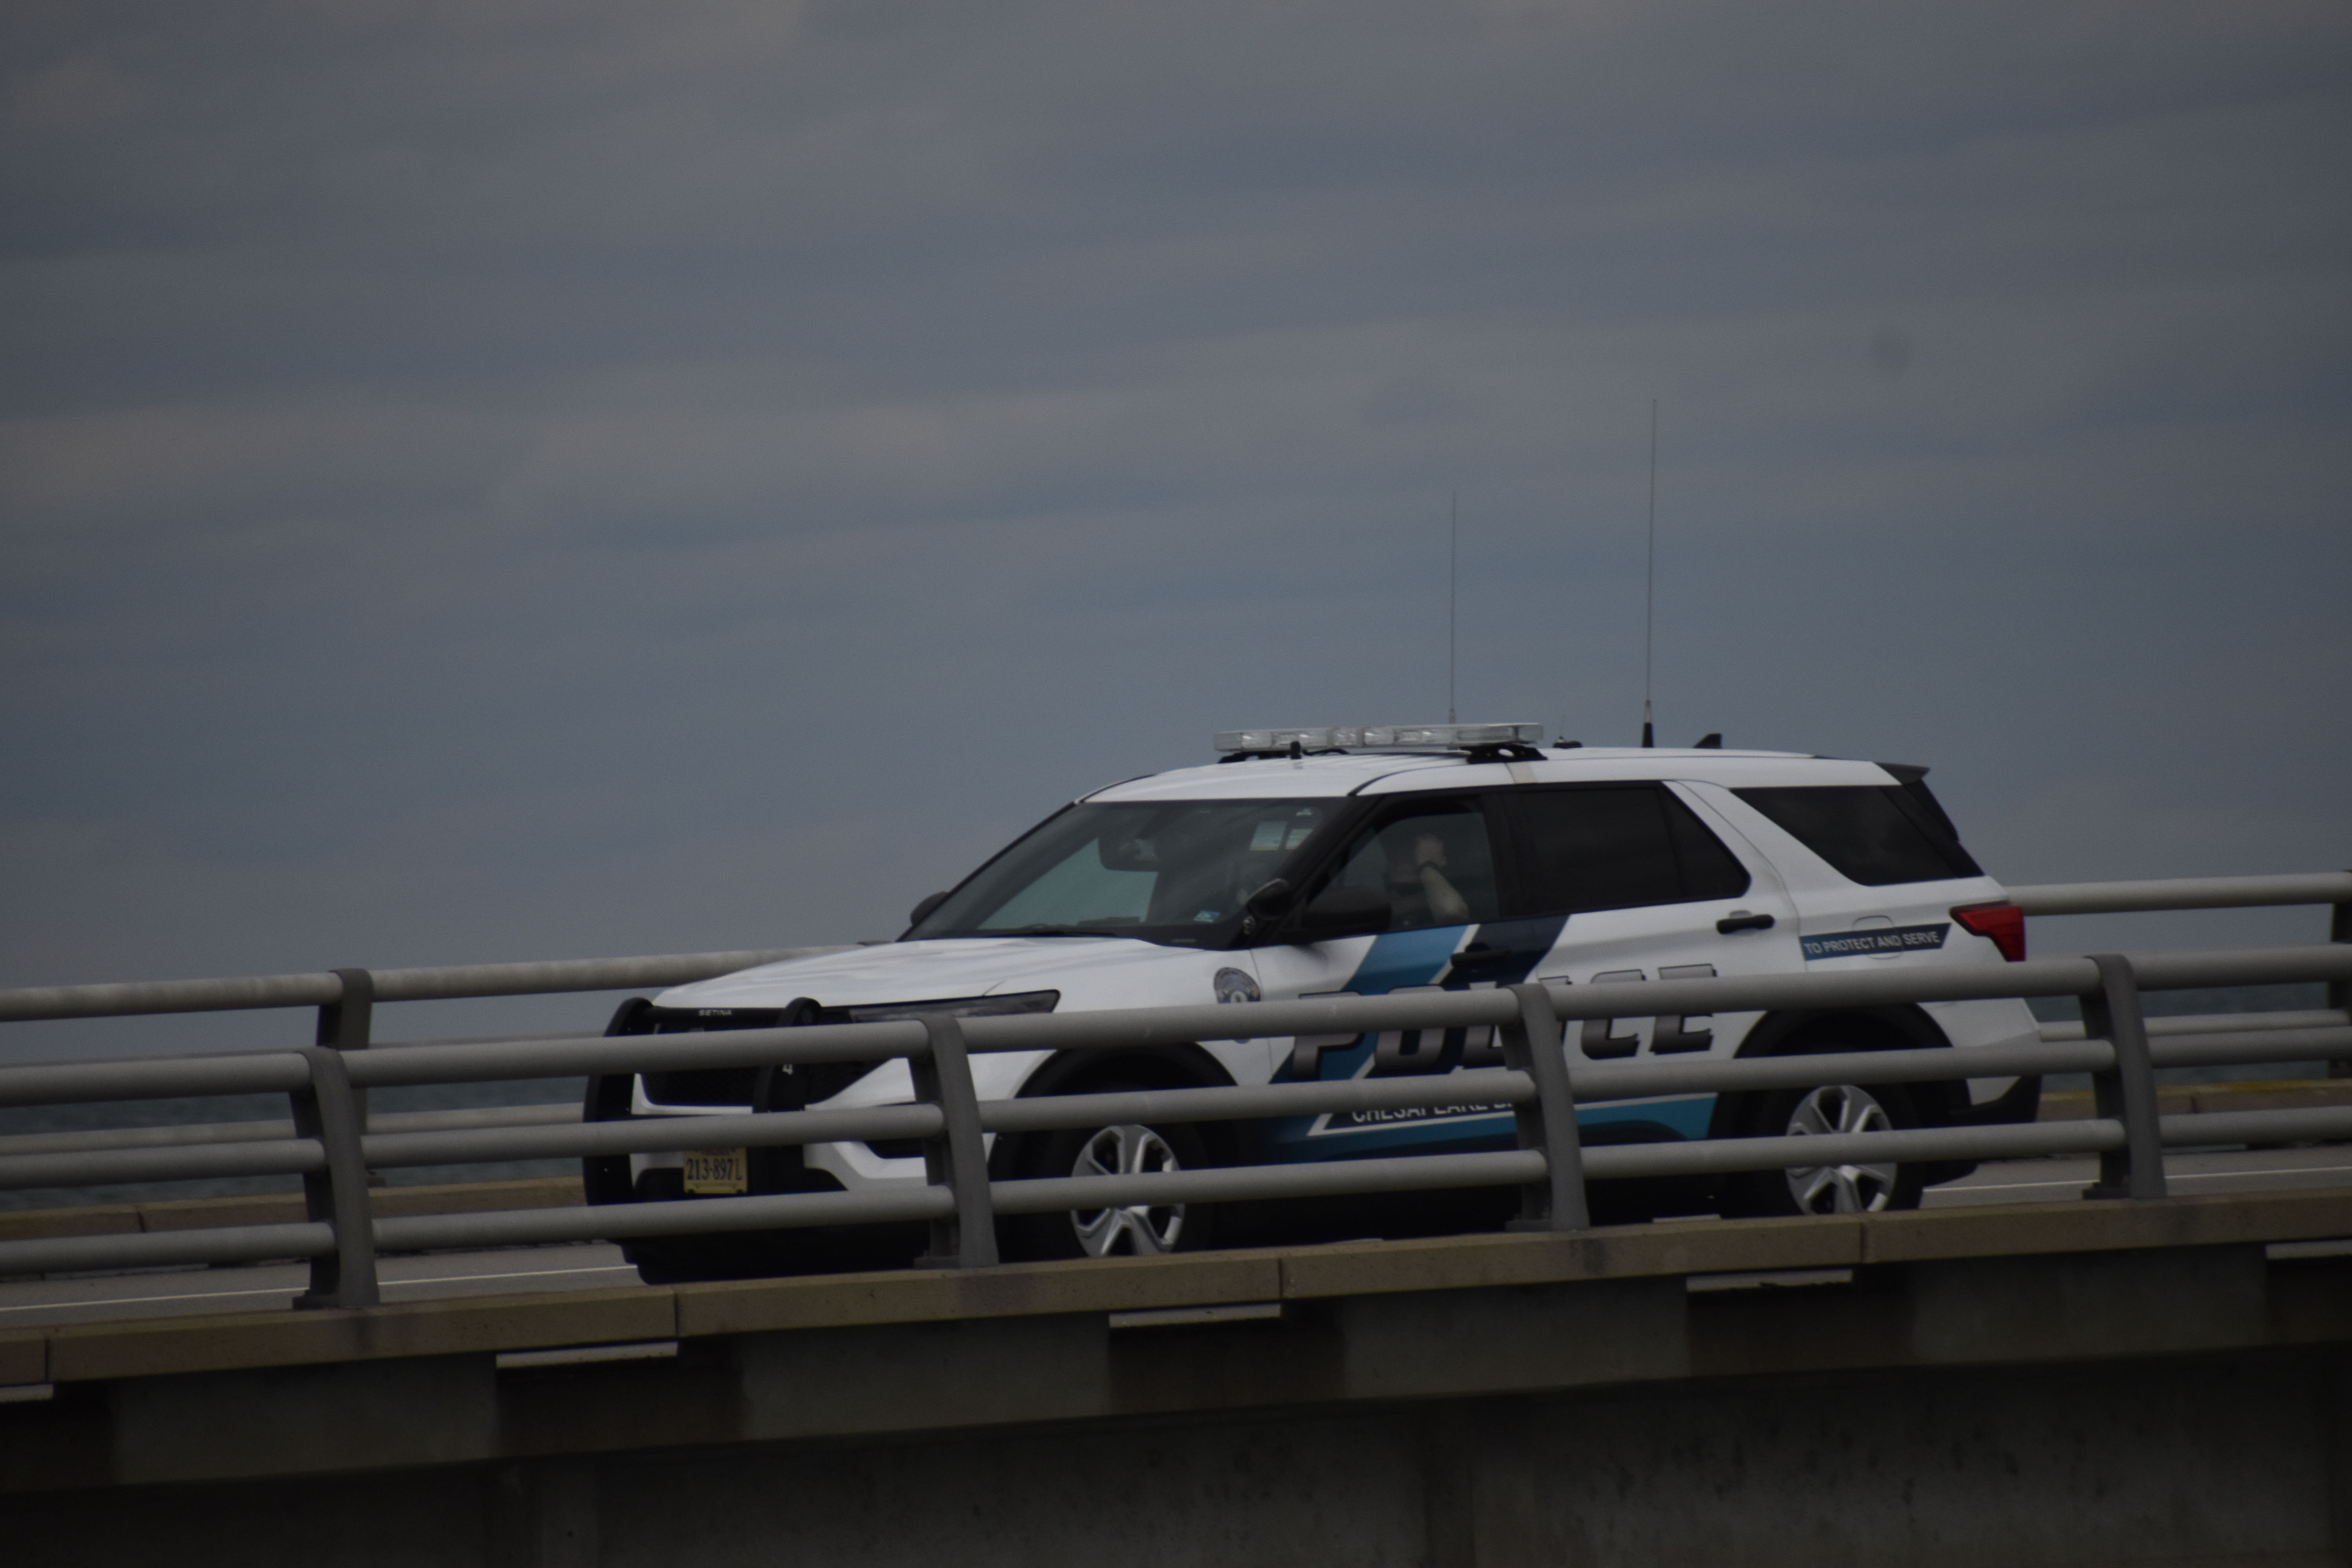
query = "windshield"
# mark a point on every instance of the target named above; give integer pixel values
(1170, 871)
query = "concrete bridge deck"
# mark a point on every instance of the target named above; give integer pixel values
(2056, 1382)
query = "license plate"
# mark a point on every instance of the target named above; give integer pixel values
(717, 1171)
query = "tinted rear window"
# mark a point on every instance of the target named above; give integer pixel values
(1616, 848)
(1871, 834)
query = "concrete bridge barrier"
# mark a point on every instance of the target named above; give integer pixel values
(2078, 1383)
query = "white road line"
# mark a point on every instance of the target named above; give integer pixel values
(298, 1289)
(134, 1300)
(522, 1274)
(2170, 1176)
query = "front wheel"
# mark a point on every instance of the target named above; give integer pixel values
(1842, 1188)
(1135, 1229)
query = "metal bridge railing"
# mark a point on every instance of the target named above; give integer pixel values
(327, 1142)
(361, 988)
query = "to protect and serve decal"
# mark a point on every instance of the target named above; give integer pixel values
(1874, 941)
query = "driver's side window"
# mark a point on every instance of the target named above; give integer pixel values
(1432, 860)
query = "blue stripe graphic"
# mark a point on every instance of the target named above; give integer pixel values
(1499, 952)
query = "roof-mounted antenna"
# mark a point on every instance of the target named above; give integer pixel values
(1650, 585)
(1452, 560)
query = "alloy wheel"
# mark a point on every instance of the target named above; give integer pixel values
(1848, 1188)
(1127, 1150)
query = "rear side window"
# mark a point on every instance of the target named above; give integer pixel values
(1871, 834)
(1617, 848)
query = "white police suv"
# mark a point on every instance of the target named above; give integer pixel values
(1365, 861)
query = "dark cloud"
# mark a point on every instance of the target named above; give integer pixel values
(489, 480)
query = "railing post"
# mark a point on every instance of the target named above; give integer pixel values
(1533, 1044)
(957, 1159)
(324, 1109)
(2126, 1092)
(348, 1023)
(2339, 991)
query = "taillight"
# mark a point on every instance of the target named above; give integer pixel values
(2004, 922)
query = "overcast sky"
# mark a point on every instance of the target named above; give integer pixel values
(501, 479)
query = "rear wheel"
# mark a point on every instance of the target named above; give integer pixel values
(1842, 1187)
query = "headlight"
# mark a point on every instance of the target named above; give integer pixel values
(957, 1006)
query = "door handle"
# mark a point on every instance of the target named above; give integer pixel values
(1740, 919)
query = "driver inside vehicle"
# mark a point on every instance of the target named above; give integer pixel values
(1418, 889)
(1434, 868)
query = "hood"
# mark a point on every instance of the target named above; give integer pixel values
(1089, 972)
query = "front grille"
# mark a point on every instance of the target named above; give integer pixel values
(896, 1148)
(810, 1083)
(822, 1080)
(638, 1016)
(702, 1085)
(695, 1086)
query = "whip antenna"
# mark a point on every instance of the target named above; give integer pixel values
(1453, 562)
(1650, 582)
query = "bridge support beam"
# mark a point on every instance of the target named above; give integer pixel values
(2213, 1459)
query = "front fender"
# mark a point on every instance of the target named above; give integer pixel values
(1152, 1067)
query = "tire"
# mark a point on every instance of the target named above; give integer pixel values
(1121, 1149)
(606, 1178)
(1828, 1189)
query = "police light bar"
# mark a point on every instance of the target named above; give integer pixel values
(1392, 737)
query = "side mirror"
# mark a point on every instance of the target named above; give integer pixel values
(1270, 902)
(1265, 906)
(1342, 911)
(923, 911)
